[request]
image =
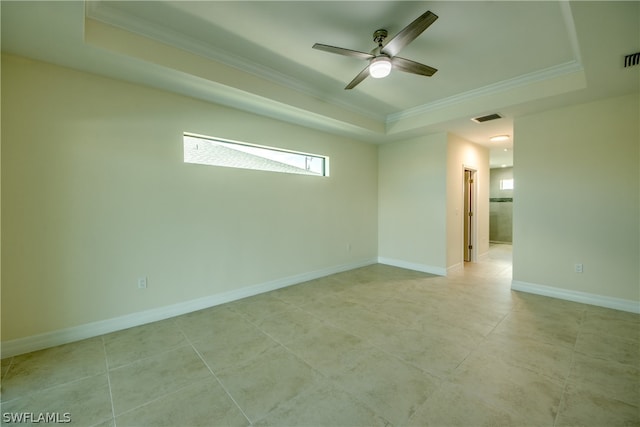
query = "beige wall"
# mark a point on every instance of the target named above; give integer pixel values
(463, 154)
(95, 194)
(421, 201)
(412, 203)
(577, 198)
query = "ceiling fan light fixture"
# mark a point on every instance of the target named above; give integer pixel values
(380, 67)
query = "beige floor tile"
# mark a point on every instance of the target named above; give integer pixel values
(203, 403)
(86, 402)
(540, 357)
(596, 314)
(553, 329)
(390, 387)
(405, 312)
(377, 273)
(547, 306)
(590, 408)
(461, 331)
(129, 345)
(609, 347)
(603, 321)
(434, 351)
(366, 323)
(483, 308)
(309, 292)
(368, 295)
(611, 379)
(241, 342)
(107, 423)
(289, 325)
(452, 405)
(211, 323)
(448, 317)
(513, 389)
(148, 379)
(331, 307)
(4, 366)
(261, 384)
(54, 366)
(323, 405)
(259, 307)
(328, 349)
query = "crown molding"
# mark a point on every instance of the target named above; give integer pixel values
(390, 125)
(499, 87)
(102, 11)
(558, 70)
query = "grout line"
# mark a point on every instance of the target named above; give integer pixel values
(51, 387)
(235, 402)
(5, 375)
(324, 377)
(484, 339)
(566, 380)
(136, 361)
(156, 354)
(177, 390)
(106, 365)
(366, 341)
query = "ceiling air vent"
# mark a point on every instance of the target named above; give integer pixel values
(631, 60)
(487, 118)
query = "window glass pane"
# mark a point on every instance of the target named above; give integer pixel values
(506, 184)
(218, 152)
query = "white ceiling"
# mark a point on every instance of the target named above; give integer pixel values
(510, 57)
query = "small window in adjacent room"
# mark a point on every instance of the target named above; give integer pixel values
(206, 150)
(506, 184)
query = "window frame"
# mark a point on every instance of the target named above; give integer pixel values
(231, 144)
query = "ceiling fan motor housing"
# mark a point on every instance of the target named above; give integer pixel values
(379, 36)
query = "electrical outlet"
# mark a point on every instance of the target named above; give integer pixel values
(142, 283)
(579, 268)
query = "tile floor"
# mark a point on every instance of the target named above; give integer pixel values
(376, 346)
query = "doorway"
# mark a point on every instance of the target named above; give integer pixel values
(468, 244)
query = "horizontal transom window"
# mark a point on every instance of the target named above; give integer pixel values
(205, 150)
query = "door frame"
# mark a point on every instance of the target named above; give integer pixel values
(469, 191)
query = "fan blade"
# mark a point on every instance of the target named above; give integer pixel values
(412, 67)
(360, 77)
(341, 51)
(409, 33)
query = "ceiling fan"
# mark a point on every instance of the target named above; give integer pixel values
(383, 58)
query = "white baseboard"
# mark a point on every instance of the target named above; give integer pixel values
(440, 271)
(94, 329)
(577, 296)
(455, 267)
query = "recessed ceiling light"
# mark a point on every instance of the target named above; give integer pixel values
(499, 138)
(504, 166)
(506, 149)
